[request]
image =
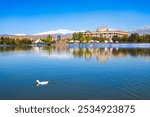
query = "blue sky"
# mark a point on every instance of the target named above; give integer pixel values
(33, 16)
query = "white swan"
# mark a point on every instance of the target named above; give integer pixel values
(42, 83)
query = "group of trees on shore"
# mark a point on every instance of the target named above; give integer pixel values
(12, 41)
(133, 38)
(48, 40)
(80, 37)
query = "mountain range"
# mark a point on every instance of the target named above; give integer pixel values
(141, 31)
(64, 32)
(59, 31)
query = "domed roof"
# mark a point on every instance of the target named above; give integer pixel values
(88, 31)
(102, 28)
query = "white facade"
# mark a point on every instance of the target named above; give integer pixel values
(105, 33)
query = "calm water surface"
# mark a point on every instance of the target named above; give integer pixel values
(86, 72)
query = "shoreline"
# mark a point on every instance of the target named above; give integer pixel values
(90, 45)
(113, 45)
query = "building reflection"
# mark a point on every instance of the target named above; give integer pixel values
(103, 55)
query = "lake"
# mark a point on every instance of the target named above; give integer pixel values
(76, 71)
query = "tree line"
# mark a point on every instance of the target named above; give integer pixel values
(80, 37)
(12, 41)
(133, 38)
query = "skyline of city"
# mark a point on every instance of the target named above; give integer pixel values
(31, 17)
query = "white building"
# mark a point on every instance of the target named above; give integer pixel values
(38, 41)
(105, 33)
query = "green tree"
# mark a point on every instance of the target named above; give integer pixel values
(82, 39)
(78, 36)
(18, 41)
(88, 38)
(48, 40)
(26, 41)
(1, 41)
(10, 41)
(68, 40)
(124, 39)
(75, 36)
(116, 38)
(134, 37)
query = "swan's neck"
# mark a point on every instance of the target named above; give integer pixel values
(38, 81)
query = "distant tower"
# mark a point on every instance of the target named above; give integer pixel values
(58, 37)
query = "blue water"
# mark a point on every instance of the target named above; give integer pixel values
(74, 73)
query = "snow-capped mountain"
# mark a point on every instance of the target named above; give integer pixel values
(13, 34)
(59, 31)
(51, 32)
(141, 31)
(19, 34)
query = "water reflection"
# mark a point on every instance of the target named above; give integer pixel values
(74, 72)
(64, 52)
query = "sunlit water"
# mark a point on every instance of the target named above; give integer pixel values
(75, 72)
